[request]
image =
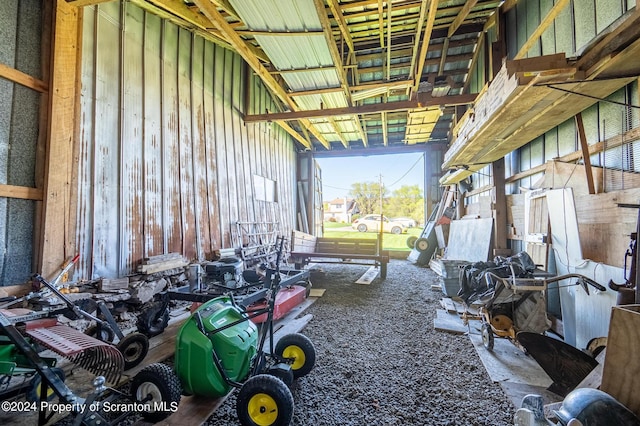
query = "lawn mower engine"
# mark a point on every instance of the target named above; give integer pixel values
(226, 271)
(203, 335)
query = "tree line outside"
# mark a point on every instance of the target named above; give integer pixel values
(406, 201)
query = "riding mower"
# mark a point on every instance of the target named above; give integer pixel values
(219, 349)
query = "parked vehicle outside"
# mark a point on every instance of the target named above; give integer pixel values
(407, 222)
(371, 222)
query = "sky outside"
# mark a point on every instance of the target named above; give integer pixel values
(396, 169)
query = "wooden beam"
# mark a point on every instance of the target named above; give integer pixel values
(363, 109)
(610, 143)
(431, 17)
(240, 46)
(499, 205)
(474, 60)
(385, 132)
(22, 79)
(461, 16)
(342, 23)
(584, 147)
(337, 60)
(548, 20)
(304, 142)
(82, 3)
(381, 22)
(22, 192)
(58, 231)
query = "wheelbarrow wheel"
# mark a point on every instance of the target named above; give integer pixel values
(159, 389)
(422, 244)
(264, 400)
(487, 336)
(299, 349)
(35, 386)
(134, 348)
(411, 241)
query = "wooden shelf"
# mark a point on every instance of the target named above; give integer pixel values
(521, 102)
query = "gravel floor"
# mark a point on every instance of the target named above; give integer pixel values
(380, 362)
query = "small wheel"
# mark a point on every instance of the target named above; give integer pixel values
(134, 348)
(396, 230)
(411, 241)
(422, 244)
(362, 228)
(154, 385)
(35, 386)
(299, 350)
(383, 270)
(264, 400)
(101, 333)
(487, 336)
(153, 320)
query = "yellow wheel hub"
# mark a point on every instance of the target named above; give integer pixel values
(263, 409)
(297, 354)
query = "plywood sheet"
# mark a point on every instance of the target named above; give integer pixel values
(470, 239)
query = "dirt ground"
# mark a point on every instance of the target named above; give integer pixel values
(380, 361)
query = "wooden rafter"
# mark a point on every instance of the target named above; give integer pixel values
(474, 60)
(243, 50)
(433, 8)
(364, 109)
(342, 23)
(548, 20)
(416, 45)
(461, 16)
(381, 22)
(23, 79)
(285, 126)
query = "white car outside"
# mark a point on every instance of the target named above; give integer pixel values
(407, 222)
(371, 222)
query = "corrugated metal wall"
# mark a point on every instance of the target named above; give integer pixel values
(20, 39)
(166, 163)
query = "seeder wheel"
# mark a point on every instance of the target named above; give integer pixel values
(298, 348)
(264, 400)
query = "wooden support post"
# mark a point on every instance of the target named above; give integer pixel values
(57, 227)
(499, 208)
(585, 153)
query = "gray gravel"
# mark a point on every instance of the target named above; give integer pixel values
(380, 362)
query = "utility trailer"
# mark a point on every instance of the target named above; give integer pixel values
(306, 248)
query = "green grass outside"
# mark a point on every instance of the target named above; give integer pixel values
(389, 241)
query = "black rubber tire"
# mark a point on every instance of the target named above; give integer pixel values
(101, 333)
(396, 230)
(264, 400)
(301, 349)
(362, 228)
(134, 348)
(33, 392)
(161, 383)
(422, 244)
(411, 241)
(383, 271)
(487, 336)
(153, 320)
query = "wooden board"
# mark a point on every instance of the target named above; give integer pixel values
(368, 276)
(621, 364)
(302, 242)
(317, 292)
(449, 323)
(470, 239)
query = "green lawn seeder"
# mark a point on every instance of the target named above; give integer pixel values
(218, 349)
